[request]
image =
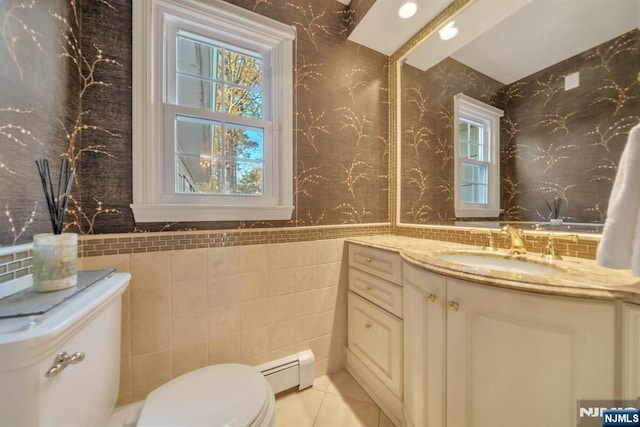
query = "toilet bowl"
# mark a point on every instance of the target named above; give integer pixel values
(82, 391)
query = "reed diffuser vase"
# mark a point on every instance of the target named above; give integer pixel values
(55, 261)
(55, 255)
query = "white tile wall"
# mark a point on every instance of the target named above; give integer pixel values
(246, 304)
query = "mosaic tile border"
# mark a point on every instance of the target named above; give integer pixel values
(129, 243)
(170, 241)
(15, 262)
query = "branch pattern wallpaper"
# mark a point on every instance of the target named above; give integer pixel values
(554, 143)
(66, 92)
(427, 156)
(567, 144)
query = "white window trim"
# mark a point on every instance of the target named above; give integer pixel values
(489, 116)
(148, 118)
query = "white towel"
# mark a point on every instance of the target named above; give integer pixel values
(620, 244)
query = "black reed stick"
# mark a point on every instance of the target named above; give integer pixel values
(57, 199)
(555, 206)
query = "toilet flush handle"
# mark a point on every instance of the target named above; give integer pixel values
(63, 360)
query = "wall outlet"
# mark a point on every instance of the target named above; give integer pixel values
(572, 81)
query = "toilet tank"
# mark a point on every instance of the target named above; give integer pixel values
(82, 394)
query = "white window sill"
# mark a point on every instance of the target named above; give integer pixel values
(189, 213)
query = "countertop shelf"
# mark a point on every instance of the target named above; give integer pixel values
(28, 302)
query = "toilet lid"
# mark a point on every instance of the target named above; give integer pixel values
(229, 395)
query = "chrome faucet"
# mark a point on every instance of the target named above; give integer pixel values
(516, 238)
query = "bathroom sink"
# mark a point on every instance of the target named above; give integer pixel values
(498, 262)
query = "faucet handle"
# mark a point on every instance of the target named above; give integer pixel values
(490, 244)
(574, 238)
(550, 253)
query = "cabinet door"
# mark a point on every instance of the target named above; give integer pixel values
(375, 337)
(515, 358)
(631, 351)
(424, 348)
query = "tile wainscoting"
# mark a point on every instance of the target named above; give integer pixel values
(190, 308)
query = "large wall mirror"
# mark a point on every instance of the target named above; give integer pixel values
(567, 76)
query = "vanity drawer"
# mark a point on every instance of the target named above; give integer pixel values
(378, 291)
(375, 338)
(378, 262)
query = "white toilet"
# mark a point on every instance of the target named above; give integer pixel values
(82, 390)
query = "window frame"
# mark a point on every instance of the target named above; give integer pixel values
(472, 110)
(153, 118)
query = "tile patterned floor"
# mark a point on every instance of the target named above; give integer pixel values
(335, 400)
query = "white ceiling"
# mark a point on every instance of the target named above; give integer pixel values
(504, 39)
(383, 30)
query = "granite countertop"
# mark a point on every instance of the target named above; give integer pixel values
(577, 277)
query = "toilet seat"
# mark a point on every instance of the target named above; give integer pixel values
(229, 395)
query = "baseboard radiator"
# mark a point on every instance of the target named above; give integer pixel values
(288, 372)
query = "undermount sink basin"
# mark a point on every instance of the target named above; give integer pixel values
(500, 263)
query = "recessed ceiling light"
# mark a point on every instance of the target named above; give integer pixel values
(408, 9)
(449, 31)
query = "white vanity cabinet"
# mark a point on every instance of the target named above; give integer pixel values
(478, 355)
(630, 351)
(374, 342)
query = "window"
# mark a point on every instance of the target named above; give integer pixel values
(475, 161)
(212, 96)
(477, 158)
(219, 150)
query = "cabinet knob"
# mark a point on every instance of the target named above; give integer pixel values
(453, 306)
(367, 325)
(368, 260)
(431, 298)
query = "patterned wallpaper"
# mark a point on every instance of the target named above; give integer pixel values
(355, 12)
(567, 144)
(38, 108)
(554, 143)
(66, 92)
(426, 182)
